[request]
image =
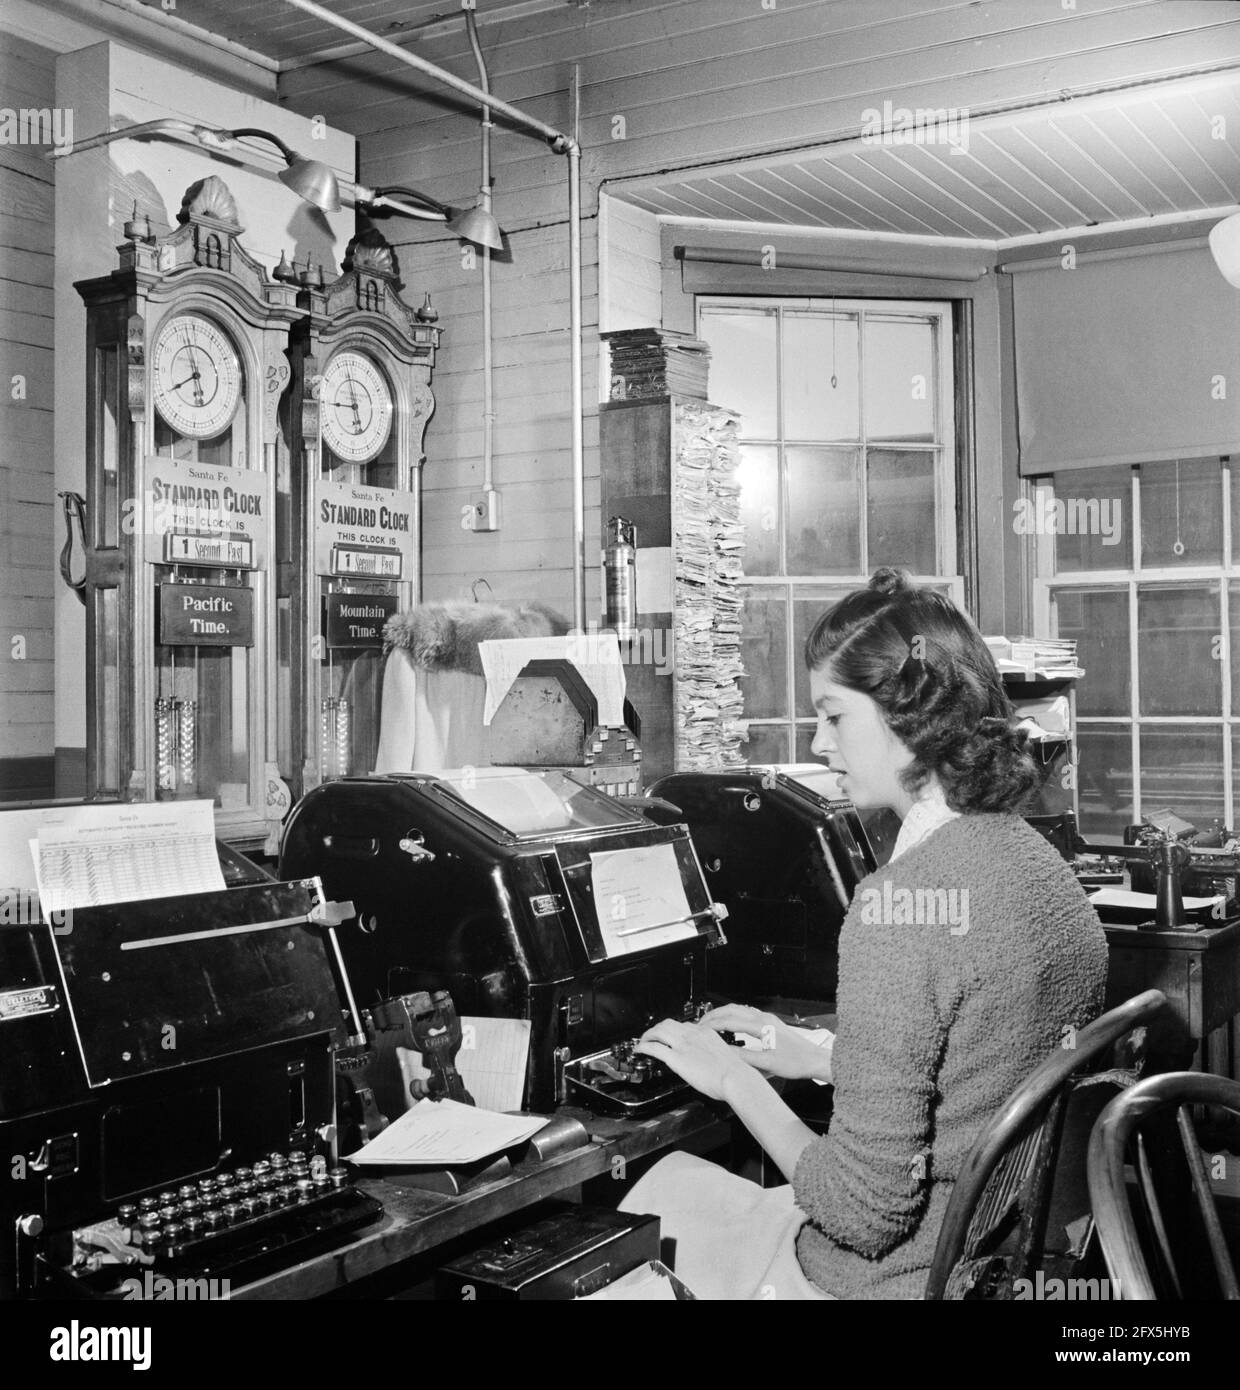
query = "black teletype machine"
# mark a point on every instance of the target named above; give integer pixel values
(784, 853)
(167, 1100)
(526, 895)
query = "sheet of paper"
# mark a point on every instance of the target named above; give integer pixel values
(596, 656)
(655, 579)
(639, 898)
(443, 1132)
(1147, 902)
(123, 853)
(492, 1061)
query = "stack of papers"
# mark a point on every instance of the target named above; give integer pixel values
(709, 543)
(652, 362)
(1035, 658)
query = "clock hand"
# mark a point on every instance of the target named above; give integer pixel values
(357, 414)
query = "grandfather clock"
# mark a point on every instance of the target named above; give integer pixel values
(362, 360)
(186, 365)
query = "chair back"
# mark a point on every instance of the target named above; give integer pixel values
(1010, 1173)
(1119, 1134)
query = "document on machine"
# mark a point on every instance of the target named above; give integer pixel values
(126, 852)
(443, 1133)
(640, 898)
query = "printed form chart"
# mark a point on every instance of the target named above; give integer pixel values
(111, 854)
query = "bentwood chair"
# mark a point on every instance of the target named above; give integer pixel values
(1025, 1175)
(1140, 1246)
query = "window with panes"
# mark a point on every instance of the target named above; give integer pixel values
(1141, 565)
(847, 464)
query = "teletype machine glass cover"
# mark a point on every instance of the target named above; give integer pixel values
(527, 895)
(167, 1085)
(786, 860)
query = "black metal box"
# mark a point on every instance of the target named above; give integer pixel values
(573, 1252)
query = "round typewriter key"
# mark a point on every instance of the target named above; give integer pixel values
(186, 1192)
(126, 1214)
(169, 1212)
(244, 1174)
(278, 1160)
(296, 1156)
(226, 1194)
(192, 1224)
(338, 1176)
(321, 1185)
(223, 1179)
(305, 1189)
(149, 1221)
(174, 1232)
(153, 1240)
(288, 1192)
(266, 1201)
(147, 1204)
(166, 1197)
(250, 1206)
(212, 1220)
(232, 1212)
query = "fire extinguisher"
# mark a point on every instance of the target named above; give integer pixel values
(620, 577)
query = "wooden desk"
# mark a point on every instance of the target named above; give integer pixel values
(1199, 972)
(415, 1222)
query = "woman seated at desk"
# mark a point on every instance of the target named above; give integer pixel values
(962, 963)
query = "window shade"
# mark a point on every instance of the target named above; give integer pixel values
(1125, 359)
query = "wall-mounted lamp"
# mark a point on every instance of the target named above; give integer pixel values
(310, 179)
(474, 224)
(1225, 248)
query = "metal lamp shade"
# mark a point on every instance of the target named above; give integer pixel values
(477, 225)
(313, 181)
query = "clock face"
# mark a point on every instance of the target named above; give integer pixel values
(356, 406)
(196, 376)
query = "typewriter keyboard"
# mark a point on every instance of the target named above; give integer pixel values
(233, 1223)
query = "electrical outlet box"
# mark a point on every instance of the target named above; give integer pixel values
(486, 510)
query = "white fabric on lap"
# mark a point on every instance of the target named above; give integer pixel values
(734, 1239)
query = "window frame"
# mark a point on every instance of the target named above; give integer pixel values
(943, 448)
(1130, 580)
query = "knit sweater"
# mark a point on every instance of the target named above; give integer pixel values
(961, 965)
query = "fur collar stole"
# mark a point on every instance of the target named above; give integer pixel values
(445, 636)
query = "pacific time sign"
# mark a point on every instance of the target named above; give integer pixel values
(206, 615)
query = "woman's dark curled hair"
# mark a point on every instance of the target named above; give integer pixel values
(924, 663)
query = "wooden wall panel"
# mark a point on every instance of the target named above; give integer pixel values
(27, 489)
